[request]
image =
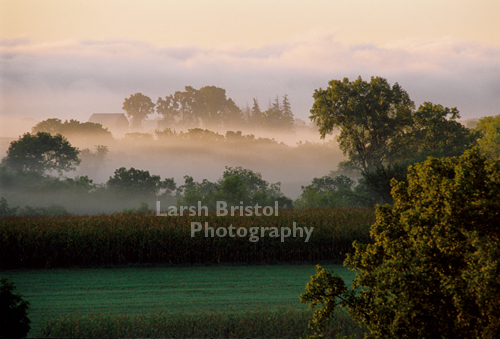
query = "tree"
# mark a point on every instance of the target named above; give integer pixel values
(135, 182)
(5, 210)
(73, 128)
(275, 118)
(436, 134)
(325, 192)
(138, 106)
(208, 105)
(489, 142)
(378, 181)
(237, 184)
(373, 118)
(432, 269)
(169, 109)
(287, 112)
(42, 152)
(93, 161)
(256, 117)
(14, 322)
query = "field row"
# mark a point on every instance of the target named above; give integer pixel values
(320, 234)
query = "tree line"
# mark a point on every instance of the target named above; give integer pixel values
(208, 107)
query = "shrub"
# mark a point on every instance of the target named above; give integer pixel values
(14, 322)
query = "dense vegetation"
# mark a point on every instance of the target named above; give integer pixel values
(432, 267)
(14, 322)
(146, 238)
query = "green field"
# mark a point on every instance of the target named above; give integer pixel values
(147, 289)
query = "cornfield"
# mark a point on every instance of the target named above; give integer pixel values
(119, 239)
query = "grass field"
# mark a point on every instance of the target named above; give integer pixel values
(148, 289)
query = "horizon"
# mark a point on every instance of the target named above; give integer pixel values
(68, 60)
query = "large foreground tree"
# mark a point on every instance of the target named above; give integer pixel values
(432, 270)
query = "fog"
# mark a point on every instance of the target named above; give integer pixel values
(293, 159)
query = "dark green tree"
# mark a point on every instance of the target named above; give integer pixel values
(327, 191)
(373, 118)
(134, 182)
(437, 132)
(42, 152)
(14, 321)
(378, 181)
(432, 268)
(138, 106)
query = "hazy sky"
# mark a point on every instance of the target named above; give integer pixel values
(71, 58)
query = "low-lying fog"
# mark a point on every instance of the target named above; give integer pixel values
(294, 159)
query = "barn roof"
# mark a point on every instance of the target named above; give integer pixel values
(108, 119)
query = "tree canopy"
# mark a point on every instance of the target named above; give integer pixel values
(73, 128)
(208, 106)
(432, 268)
(133, 182)
(379, 125)
(489, 129)
(42, 152)
(372, 117)
(138, 106)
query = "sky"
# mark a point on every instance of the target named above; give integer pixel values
(68, 59)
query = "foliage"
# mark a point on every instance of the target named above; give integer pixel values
(373, 118)
(278, 117)
(489, 129)
(138, 106)
(53, 210)
(144, 208)
(438, 135)
(236, 185)
(93, 161)
(208, 105)
(327, 191)
(130, 238)
(138, 182)
(5, 211)
(73, 128)
(379, 126)
(432, 269)
(378, 181)
(42, 152)
(14, 322)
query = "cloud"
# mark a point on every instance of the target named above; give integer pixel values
(75, 78)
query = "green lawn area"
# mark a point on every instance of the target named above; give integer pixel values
(143, 289)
